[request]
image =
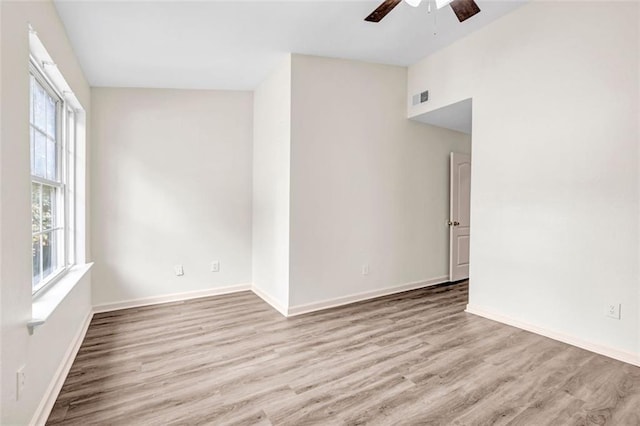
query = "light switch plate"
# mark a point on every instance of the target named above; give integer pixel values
(179, 270)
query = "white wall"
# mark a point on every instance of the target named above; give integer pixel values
(271, 181)
(368, 186)
(555, 164)
(1, 177)
(42, 352)
(171, 184)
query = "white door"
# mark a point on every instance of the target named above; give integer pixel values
(460, 212)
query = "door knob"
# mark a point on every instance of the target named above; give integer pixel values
(456, 223)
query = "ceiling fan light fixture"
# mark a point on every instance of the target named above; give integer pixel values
(442, 3)
(413, 3)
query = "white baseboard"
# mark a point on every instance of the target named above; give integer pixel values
(46, 404)
(174, 297)
(359, 297)
(270, 300)
(619, 355)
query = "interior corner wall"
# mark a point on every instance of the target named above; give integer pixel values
(368, 186)
(170, 184)
(555, 185)
(638, 123)
(42, 353)
(1, 177)
(271, 185)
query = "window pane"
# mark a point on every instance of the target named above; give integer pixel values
(32, 148)
(31, 82)
(47, 201)
(37, 273)
(49, 253)
(40, 152)
(39, 107)
(51, 160)
(48, 207)
(36, 213)
(51, 117)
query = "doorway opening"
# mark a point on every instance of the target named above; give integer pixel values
(457, 116)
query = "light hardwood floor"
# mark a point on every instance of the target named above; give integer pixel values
(410, 358)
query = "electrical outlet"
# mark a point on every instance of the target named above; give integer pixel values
(613, 310)
(365, 269)
(179, 270)
(215, 266)
(21, 379)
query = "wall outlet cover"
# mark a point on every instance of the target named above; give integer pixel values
(21, 380)
(613, 310)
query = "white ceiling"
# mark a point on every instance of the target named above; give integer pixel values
(234, 44)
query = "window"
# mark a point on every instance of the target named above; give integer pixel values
(51, 124)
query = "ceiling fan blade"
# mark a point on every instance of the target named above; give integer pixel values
(382, 10)
(464, 9)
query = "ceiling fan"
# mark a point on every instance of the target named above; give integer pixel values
(464, 9)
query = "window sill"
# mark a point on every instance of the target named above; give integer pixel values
(46, 303)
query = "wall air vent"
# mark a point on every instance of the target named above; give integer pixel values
(421, 98)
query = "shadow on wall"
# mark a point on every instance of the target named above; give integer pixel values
(456, 116)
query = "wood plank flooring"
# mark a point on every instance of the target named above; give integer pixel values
(411, 358)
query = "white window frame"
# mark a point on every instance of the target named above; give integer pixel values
(65, 203)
